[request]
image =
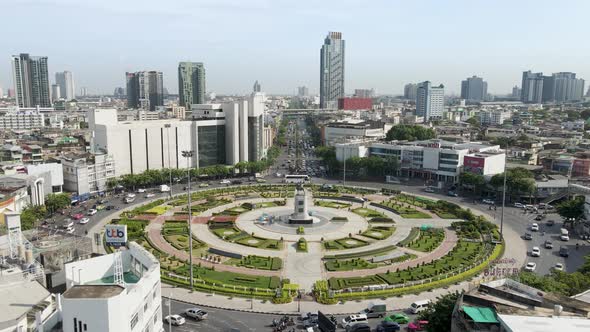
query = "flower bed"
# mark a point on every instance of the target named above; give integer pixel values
(379, 232)
(344, 243)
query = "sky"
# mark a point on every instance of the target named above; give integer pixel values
(388, 43)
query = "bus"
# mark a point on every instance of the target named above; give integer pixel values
(296, 178)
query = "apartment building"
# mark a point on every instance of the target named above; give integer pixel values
(87, 173)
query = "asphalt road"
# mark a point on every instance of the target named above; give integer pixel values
(220, 320)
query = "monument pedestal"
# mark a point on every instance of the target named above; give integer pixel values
(300, 216)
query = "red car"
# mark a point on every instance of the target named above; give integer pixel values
(418, 325)
(78, 216)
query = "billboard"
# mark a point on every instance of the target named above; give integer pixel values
(115, 234)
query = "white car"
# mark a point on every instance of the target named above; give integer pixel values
(196, 313)
(83, 221)
(140, 190)
(149, 195)
(536, 252)
(175, 320)
(530, 267)
(564, 237)
(518, 205)
(535, 227)
(558, 267)
(488, 201)
(92, 212)
(225, 181)
(70, 230)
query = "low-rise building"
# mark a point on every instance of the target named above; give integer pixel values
(87, 173)
(19, 119)
(487, 163)
(342, 131)
(113, 293)
(493, 117)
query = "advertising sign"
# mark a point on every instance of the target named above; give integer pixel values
(115, 234)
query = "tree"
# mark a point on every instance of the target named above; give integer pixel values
(55, 202)
(474, 121)
(31, 215)
(519, 181)
(392, 165)
(439, 313)
(410, 133)
(572, 209)
(472, 181)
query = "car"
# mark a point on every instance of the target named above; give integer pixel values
(83, 221)
(548, 244)
(550, 222)
(196, 313)
(539, 217)
(530, 267)
(92, 212)
(536, 252)
(359, 327)
(564, 237)
(140, 190)
(564, 251)
(558, 267)
(260, 180)
(110, 207)
(388, 326)
(226, 181)
(353, 320)
(453, 194)
(70, 230)
(149, 195)
(429, 189)
(535, 227)
(236, 182)
(399, 318)
(528, 236)
(518, 205)
(175, 320)
(78, 216)
(203, 185)
(488, 201)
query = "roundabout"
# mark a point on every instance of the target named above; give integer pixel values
(276, 241)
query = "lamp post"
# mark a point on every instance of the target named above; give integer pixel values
(503, 195)
(188, 155)
(167, 126)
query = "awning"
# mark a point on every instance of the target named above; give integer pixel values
(480, 314)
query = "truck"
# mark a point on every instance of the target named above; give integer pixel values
(164, 188)
(375, 310)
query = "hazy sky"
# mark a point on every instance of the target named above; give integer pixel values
(389, 42)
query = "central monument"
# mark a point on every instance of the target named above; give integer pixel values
(300, 216)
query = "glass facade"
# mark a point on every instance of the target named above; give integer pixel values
(255, 138)
(211, 145)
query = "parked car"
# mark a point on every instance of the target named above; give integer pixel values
(226, 181)
(539, 217)
(196, 313)
(518, 205)
(564, 237)
(530, 267)
(175, 320)
(536, 252)
(399, 318)
(418, 325)
(359, 327)
(141, 190)
(429, 189)
(558, 267)
(92, 212)
(388, 326)
(535, 227)
(550, 222)
(548, 244)
(110, 207)
(70, 230)
(488, 201)
(353, 320)
(528, 236)
(203, 185)
(375, 309)
(453, 194)
(78, 216)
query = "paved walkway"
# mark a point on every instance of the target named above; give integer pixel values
(304, 268)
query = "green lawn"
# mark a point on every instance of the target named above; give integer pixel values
(158, 210)
(345, 243)
(231, 279)
(368, 213)
(415, 215)
(428, 240)
(379, 232)
(445, 215)
(331, 204)
(228, 233)
(258, 242)
(368, 253)
(348, 265)
(405, 211)
(257, 262)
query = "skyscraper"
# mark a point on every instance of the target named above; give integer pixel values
(410, 90)
(256, 87)
(532, 87)
(302, 91)
(332, 70)
(31, 80)
(474, 89)
(430, 101)
(515, 92)
(65, 80)
(566, 87)
(55, 92)
(191, 83)
(145, 89)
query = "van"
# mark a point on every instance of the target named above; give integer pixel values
(354, 319)
(419, 306)
(375, 310)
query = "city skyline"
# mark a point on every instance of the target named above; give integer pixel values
(500, 57)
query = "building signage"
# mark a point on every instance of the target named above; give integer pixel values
(115, 234)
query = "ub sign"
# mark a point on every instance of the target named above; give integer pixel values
(115, 234)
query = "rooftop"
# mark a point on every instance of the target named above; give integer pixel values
(19, 299)
(543, 324)
(93, 291)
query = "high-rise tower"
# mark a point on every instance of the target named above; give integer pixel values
(31, 80)
(332, 70)
(191, 83)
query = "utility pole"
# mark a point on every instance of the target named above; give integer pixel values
(167, 126)
(188, 155)
(503, 195)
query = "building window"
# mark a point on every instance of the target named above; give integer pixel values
(145, 305)
(134, 320)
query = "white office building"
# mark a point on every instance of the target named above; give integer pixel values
(430, 101)
(217, 134)
(493, 117)
(120, 292)
(343, 131)
(88, 173)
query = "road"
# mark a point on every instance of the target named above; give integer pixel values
(221, 320)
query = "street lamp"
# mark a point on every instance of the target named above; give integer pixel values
(188, 155)
(167, 126)
(503, 194)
